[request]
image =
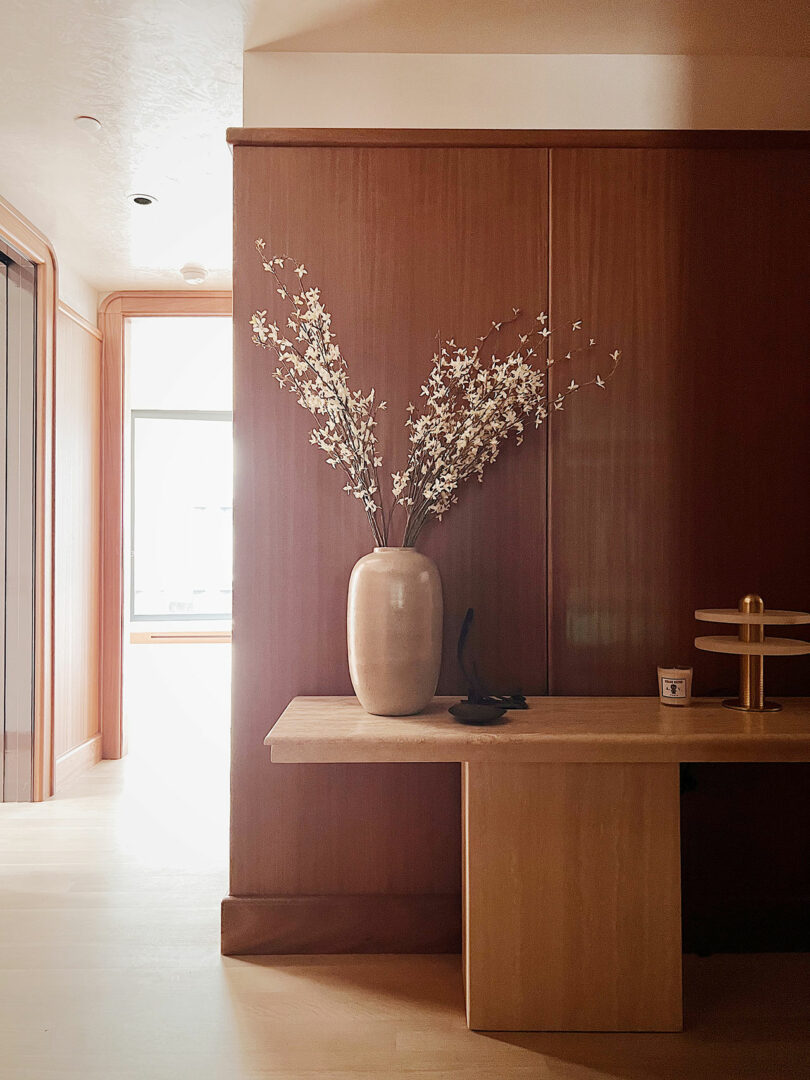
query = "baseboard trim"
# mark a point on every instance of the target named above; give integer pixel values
(280, 925)
(70, 764)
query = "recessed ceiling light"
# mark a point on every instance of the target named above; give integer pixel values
(140, 199)
(87, 123)
(193, 274)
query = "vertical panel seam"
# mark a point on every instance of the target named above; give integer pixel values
(550, 155)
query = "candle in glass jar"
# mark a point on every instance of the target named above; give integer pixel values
(675, 685)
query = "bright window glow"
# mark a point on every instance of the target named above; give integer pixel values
(181, 468)
(178, 362)
(182, 516)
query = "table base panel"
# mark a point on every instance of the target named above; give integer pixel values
(572, 912)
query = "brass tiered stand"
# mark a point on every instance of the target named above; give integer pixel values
(752, 646)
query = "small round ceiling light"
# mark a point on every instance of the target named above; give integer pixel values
(87, 123)
(140, 199)
(193, 274)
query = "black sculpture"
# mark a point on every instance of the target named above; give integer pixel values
(479, 707)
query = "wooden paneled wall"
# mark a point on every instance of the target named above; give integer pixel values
(690, 260)
(687, 489)
(404, 243)
(690, 488)
(77, 730)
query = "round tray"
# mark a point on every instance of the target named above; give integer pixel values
(772, 646)
(743, 618)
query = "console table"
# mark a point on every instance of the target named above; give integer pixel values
(571, 826)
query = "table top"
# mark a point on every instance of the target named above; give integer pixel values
(585, 729)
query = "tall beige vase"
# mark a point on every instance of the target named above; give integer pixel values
(395, 630)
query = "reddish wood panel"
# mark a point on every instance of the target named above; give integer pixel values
(686, 486)
(682, 487)
(404, 243)
(347, 923)
(516, 137)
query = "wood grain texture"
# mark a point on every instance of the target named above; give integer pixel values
(331, 729)
(403, 243)
(77, 537)
(157, 302)
(769, 646)
(75, 761)
(761, 618)
(482, 138)
(679, 488)
(692, 258)
(572, 897)
(682, 490)
(367, 923)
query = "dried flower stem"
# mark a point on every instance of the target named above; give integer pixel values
(471, 406)
(311, 367)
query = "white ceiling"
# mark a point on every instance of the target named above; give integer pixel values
(165, 79)
(695, 27)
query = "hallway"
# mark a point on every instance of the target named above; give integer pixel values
(110, 970)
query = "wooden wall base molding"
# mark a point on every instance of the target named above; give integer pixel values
(76, 761)
(369, 923)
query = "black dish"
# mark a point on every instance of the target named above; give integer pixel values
(467, 713)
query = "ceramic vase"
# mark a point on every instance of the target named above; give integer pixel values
(394, 630)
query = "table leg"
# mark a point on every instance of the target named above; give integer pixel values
(572, 907)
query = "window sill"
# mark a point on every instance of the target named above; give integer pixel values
(180, 637)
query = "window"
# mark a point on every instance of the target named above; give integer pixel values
(180, 468)
(182, 515)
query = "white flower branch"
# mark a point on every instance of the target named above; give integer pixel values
(312, 368)
(472, 406)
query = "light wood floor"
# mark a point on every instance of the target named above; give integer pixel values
(109, 970)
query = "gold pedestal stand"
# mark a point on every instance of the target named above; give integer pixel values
(752, 646)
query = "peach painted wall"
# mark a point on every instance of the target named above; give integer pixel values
(77, 739)
(525, 91)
